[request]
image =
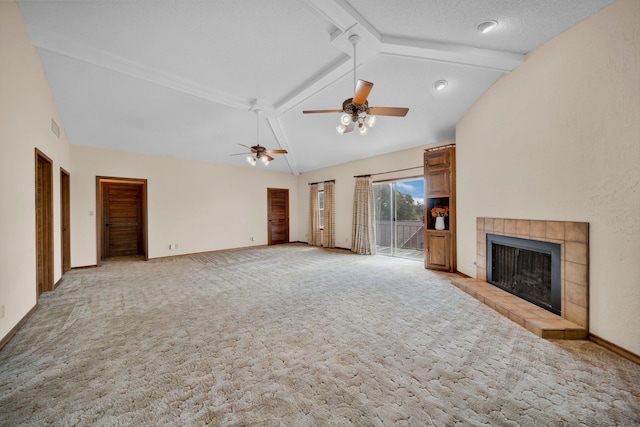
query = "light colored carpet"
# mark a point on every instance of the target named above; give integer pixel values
(292, 335)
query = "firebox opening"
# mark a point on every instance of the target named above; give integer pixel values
(529, 269)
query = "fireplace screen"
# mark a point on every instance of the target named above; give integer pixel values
(529, 269)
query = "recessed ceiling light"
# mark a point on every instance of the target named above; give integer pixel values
(486, 26)
(440, 85)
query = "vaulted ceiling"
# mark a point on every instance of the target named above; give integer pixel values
(183, 78)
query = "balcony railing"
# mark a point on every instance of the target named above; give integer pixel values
(409, 234)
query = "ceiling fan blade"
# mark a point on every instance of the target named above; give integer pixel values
(268, 157)
(276, 151)
(388, 111)
(241, 154)
(249, 148)
(321, 111)
(363, 88)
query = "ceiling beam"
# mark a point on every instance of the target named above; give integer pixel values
(278, 133)
(321, 81)
(450, 53)
(81, 52)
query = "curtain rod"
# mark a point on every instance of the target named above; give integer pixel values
(382, 173)
(321, 182)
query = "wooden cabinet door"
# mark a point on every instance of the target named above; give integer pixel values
(438, 159)
(438, 183)
(438, 251)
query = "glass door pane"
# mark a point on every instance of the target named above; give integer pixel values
(382, 193)
(400, 218)
(409, 224)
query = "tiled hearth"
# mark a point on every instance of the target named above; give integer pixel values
(573, 238)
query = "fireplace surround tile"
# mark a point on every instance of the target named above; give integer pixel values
(576, 294)
(509, 227)
(538, 230)
(576, 252)
(555, 230)
(523, 228)
(573, 238)
(575, 273)
(488, 224)
(577, 232)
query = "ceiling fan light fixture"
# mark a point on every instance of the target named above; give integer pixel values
(363, 129)
(251, 160)
(486, 26)
(265, 160)
(440, 85)
(341, 129)
(370, 120)
(345, 119)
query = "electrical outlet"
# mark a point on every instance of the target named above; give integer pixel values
(251, 238)
(1, 311)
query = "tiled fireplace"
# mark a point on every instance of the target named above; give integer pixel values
(573, 238)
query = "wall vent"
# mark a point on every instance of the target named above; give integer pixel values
(55, 128)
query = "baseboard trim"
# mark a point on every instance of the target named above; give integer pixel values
(13, 331)
(207, 252)
(614, 348)
(82, 267)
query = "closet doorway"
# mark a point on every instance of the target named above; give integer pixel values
(399, 213)
(121, 217)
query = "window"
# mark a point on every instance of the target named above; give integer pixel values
(321, 209)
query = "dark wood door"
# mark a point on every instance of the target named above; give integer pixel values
(122, 219)
(65, 219)
(278, 215)
(44, 223)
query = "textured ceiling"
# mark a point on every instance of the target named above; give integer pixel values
(182, 78)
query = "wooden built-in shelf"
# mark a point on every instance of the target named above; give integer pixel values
(440, 192)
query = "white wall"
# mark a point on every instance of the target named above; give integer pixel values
(200, 206)
(26, 110)
(559, 139)
(345, 185)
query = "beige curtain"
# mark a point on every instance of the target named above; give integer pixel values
(329, 233)
(313, 233)
(363, 234)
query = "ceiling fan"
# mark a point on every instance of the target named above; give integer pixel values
(258, 152)
(356, 110)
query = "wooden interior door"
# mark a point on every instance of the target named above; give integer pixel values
(65, 219)
(44, 223)
(122, 219)
(278, 215)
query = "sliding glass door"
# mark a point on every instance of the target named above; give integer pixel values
(400, 218)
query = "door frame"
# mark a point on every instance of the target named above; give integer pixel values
(45, 206)
(392, 199)
(65, 219)
(99, 208)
